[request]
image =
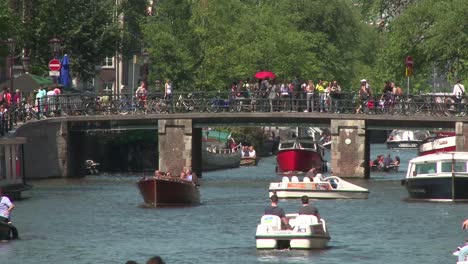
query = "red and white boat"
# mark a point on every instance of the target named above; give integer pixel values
(441, 142)
(165, 191)
(299, 156)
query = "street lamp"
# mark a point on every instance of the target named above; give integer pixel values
(55, 45)
(11, 43)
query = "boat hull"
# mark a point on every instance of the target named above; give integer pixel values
(298, 160)
(168, 191)
(319, 194)
(310, 235)
(220, 160)
(318, 190)
(443, 144)
(7, 232)
(437, 188)
(248, 161)
(403, 144)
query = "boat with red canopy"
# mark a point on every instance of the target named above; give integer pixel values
(299, 156)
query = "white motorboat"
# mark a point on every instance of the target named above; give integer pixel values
(308, 232)
(331, 187)
(406, 139)
(441, 176)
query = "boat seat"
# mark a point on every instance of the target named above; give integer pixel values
(306, 179)
(285, 179)
(294, 179)
(272, 221)
(306, 220)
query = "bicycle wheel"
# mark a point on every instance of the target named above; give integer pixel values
(212, 106)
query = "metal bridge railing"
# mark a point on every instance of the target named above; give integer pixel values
(439, 105)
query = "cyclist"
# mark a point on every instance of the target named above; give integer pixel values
(141, 94)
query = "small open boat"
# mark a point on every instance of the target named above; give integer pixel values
(164, 191)
(8, 232)
(331, 187)
(308, 232)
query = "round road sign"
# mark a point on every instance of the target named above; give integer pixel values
(54, 65)
(409, 61)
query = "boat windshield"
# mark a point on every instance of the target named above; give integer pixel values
(460, 166)
(426, 168)
(307, 145)
(287, 145)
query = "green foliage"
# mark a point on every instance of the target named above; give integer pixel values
(434, 34)
(208, 44)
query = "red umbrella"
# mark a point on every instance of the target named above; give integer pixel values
(265, 75)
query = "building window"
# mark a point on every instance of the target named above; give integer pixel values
(107, 87)
(108, 62)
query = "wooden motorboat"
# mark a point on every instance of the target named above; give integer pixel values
(308, 232)
(406, 139)
(164, 191)
(249, 161)
(331, 187)
(299, 156)
(440, 176)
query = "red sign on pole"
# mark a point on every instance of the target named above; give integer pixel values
(409, 61)
(54, 65)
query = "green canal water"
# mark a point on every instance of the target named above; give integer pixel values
(100, 219)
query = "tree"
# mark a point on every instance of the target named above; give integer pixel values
(88, 30)
(435, 33)
(209, 44)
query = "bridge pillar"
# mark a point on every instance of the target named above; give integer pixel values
(178, 146)
(461, 134)
(46, 154)
(350, 148)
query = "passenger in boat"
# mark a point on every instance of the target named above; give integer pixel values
(245, 151)
(252, 152)
(465, 224)
(6, 206)
(274, 209)
(155, 260)
(311, 174)
(308, 209)
(387, 161)
(397, 161)
(191, 176)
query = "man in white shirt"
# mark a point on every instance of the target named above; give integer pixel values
(5, 209)
(458, 92)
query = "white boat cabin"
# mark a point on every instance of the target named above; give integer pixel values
(408, 135)
(438, 164)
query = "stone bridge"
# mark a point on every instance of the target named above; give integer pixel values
(54, 145)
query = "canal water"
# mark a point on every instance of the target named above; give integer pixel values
(100, 219)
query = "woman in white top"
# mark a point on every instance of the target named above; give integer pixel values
(168, 94)
(309, 89)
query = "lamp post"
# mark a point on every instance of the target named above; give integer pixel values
(11, 43)
(55, 46)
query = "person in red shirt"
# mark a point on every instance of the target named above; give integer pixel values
(6, 97)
